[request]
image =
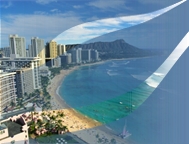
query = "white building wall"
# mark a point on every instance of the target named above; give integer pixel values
(17, 45)
(7, 89)
(38, 49)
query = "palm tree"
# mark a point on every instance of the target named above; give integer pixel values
(25, 94)
(113, 141)
(32, 128)
(61, 114)
(65, 128)
(13, 103)
(43, 113)
(30, 95)
(99, 140)
(32, 115)
(106, 140)
(97, 135)
(37, 92)
(59, 121)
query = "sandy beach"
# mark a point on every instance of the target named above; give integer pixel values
(56, 101)
(82, 126)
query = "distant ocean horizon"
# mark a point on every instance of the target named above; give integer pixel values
(110, 91)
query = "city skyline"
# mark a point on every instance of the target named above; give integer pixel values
(49, 18)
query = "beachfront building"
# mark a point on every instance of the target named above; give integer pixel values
(52, 59)
(50, 50)
(44, 71)
(74, 55)
(17, 45)
(53, 49)
(66, 59)
(24, 81)
(86, 55)
(14, 131)
(38, 49)
(7, 89)
(30, 64)
(79, 55)
(61, 49)
(47, 50)
(6, 51)
(94, 55)
(57, 62)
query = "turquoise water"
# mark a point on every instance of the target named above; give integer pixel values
(112, 90)
(118, 107)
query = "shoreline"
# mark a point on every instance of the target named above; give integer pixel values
(92, 126)
(65, 72)
(57, 102)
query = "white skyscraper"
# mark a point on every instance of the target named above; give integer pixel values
(86, 55)
(38, 49)
(17, 45)
(61, 49)
(79, 55)
(94, 55)
(7, 89)
(75, 56)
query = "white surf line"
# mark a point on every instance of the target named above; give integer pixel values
(57, 91)
(89, 30)
(169, 62)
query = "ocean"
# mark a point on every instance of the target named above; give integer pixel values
(112, 91)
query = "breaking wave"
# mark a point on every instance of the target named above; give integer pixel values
(111, 73)
(114, 64)
(127, 62)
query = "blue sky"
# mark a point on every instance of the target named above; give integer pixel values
(89, 30)
(48, 18)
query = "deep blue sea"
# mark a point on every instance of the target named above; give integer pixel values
(113, 92)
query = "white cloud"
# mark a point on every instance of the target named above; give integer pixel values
(150, 1)
(77, 6)
(104, 4)
(44, 26)
(40, 13)
(45, 1)
(7, 6)
(55, 10)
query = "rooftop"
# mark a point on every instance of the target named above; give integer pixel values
(13, 128)
(20, 58)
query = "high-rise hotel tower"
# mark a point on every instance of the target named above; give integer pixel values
(17, 45)
(7, 89)
(38, 49)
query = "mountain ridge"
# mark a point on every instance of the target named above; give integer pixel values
(115, 49)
